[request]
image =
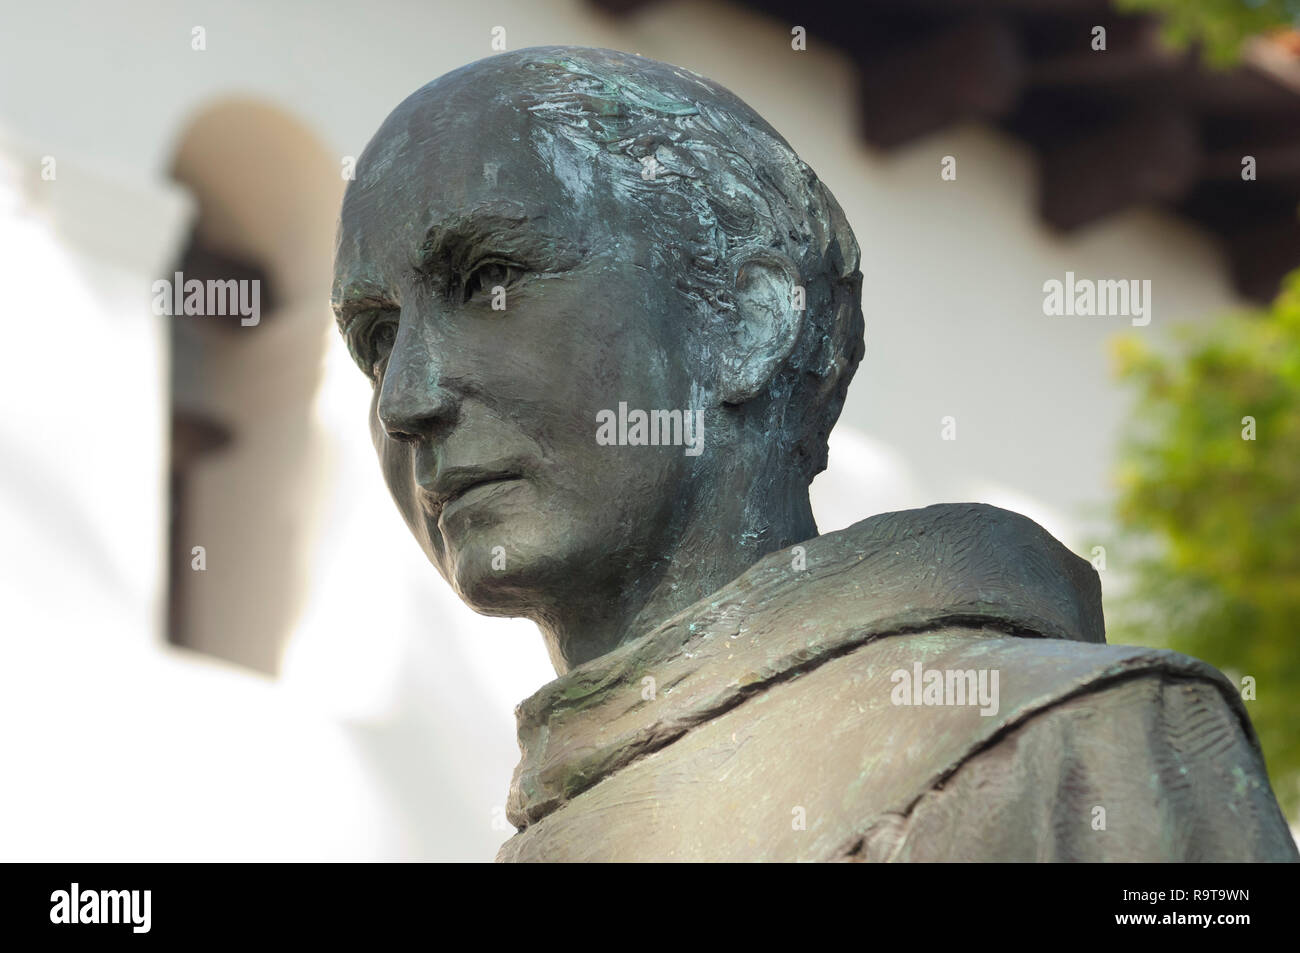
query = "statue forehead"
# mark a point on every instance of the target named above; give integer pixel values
(448, 152)
(440, 150)
(475, 126)
(470, 138)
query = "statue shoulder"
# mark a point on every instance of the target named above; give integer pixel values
(1094, 752)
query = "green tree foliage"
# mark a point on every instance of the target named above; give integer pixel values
(1211, 519)
(1219, 27)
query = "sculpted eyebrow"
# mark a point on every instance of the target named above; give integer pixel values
(450, 248)
(357, 299)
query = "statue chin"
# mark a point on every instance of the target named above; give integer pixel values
(489, 594)
(496, 581)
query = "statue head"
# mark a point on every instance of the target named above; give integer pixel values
(610, 318)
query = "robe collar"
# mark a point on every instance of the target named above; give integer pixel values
(964, 564)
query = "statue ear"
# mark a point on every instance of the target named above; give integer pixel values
(764, 327)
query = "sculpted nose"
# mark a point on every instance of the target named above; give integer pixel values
(413, 403)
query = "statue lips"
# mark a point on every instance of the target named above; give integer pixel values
(459, 484)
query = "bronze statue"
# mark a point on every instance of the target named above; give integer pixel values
(610, 318)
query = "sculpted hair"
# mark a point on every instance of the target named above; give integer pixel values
(724, 182)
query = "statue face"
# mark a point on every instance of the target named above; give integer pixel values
(485, 420)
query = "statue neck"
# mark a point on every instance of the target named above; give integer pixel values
(735, 528)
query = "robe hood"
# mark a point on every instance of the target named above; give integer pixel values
(969, 565)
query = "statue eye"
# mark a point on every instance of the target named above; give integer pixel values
(380, 338)
(489, 275)
(371, 340)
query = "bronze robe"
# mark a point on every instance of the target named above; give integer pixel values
(768, 721)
